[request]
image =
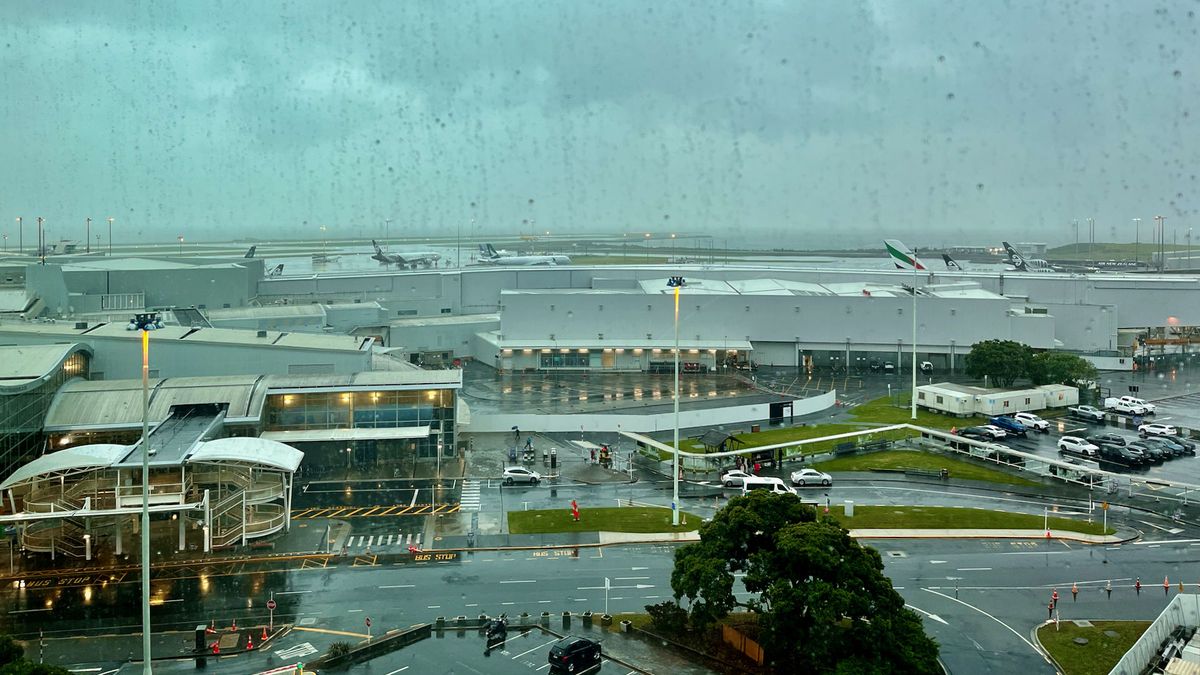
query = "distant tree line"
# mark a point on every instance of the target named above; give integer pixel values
(1004, 362)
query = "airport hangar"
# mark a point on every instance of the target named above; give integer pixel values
(783, 316)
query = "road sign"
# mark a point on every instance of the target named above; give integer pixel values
(368, 622)
(271, 604)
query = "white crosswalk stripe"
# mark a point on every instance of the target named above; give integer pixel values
(469, 501)
(302, 649)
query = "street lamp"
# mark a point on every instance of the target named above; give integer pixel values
(1162, 261)
(181, 244)
(20, 235)
(145, 323)
(89, 234)
(914, 337)
(676, 283)
(110, 219)
(1137, 229)
(41, 244)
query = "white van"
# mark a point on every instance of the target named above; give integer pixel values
(768, 483)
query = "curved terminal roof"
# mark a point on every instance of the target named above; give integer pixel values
(24, 367)
(247, 450)
(81, 458)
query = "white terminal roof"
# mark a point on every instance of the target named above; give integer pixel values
(114, 330)
(14, 300)
(310, 310)
(106, 264)
(24, 366)
(245, 450)
(784, 287)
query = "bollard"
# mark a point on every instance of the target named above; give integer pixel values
(523, 619)
(545, 619)
(626, 626)
(483, 621)
(439, 623)
(606, 620)
(566, 620)
(462, 620)
(849, 509)
(587, 618)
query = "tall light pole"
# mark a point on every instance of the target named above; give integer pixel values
(1189, 248)
(1075, 224)
(387, 226)
(20, 235)
(914, 337)
(1137, 240)
(41, 244)
(1091, 238)
(110, 219)
(89, 234)
(1162, 262)
(676, 283)
(146, 322)
(181, 244)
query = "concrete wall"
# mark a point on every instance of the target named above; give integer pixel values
(456, 337)
(493, 423)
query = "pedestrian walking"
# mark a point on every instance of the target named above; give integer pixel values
(1054, 598)
(1108, 589)
(1074, 592)
(1166, 587)
(1137, 585)
(529, 443)
(1050, 611)
(593, 455)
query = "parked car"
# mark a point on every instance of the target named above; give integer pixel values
(519, 474)
(1152, 452)
(735, 478)
(1032, 421)
(1074, 445)
(805, 477)
(574, 654)
(1158, 430)
(1123, 406)
(1108, 439)
(1009, 425)
(1170, 444)
(1086, 412)
(1121, 455)
(997, 431)
(981, 433)
(1149, 407)
(889, 368)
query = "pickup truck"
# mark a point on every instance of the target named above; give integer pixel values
(1087, 412)
(1123, 406)
(1149, 407)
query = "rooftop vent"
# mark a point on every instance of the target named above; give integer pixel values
(262, 333)
(81, 325)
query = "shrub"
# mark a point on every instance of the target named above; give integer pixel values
(668, 617)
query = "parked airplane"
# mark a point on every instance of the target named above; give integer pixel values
(951, 263)
(1022, 264)
(902, 256)
(410, 260)
(490, 256)
(250, 253)
(276, 271)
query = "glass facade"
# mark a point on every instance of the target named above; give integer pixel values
(22, 414)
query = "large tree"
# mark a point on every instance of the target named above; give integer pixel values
(1001, 361)
(1061, 368)
(13, 661)
(823, 602)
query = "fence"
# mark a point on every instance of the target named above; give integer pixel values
(1183, 610)
(743, 644)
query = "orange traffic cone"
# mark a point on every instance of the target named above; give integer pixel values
(264, 635)
(234, 627)
(217, 647)
(1047, 534)
(250, 642)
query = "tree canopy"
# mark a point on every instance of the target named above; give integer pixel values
(823, 602)
(13, 661)
(1061, 368)
(1001, 361)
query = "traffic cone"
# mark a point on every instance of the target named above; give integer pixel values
(250, 642)
(234, 627)
(217, 647)
(264, 635)
(212, 626)
(1047, 535)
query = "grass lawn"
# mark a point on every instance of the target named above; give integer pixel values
(915, 459)
(1107, 251)
(608, 519)
(618, 259)
(1101, 652)
(947, 517)
(881, 411)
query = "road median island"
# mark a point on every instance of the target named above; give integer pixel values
(1106, 643)
(955, 518)
(918, 461)
(638, 519)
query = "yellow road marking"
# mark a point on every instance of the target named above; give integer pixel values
(330, 631)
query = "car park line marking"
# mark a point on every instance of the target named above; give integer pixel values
(395, 586)
(1010, 628)
(535, 649)
(521, 581)
(401, 670)
(973, 569)
(434, 607)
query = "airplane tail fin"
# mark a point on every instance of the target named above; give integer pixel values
(902, 256)
(277, 271)
(1014, 257)
(250, 252)
(492, 251)
(376, 245)
(951, 263)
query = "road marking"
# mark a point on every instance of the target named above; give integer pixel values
(396, 586)
(1193, 542)
(414, 499)
(389, 541)
(294, 652)
(352, 611)
(360, 539)
(633, 578)
(535, 649)
(543, 602)
(1010, 628)
(330, 631)
(290, 592)
(1036, 552)
(639, 569)
(434, 607)
(937, 562)
(522, 581)
(401, 670)
(935, 617)
(473, 604)
(508, 603)
(973, 569)
(26, 611)
(371, 541)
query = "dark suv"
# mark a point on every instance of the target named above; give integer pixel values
(574, 655)
(1108, 439)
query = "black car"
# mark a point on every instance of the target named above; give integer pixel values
(1170, 445)
(574, 655)
(1152, 453)
(1108, 439)
(978, 433)
(1121, 455)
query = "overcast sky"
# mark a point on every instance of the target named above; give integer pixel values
(781, 123)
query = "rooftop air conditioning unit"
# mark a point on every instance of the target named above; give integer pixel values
(80, 325)
(262, 333)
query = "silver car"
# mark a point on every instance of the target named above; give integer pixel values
(805, 477)
(519, 474)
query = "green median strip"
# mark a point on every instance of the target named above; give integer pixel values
(1102, 650)
(955, 518)
(898, 460)
(606, 519)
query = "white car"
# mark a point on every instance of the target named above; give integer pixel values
(1077, 446)
(1033, 422)
(994, 431)
(735, 478)
(1157, 430)
(1149, 407)
(519, 474)
(811, 477)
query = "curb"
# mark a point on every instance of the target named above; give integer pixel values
(994, 534)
